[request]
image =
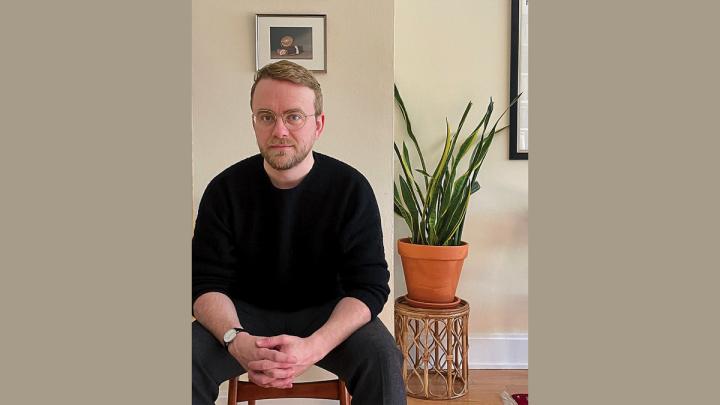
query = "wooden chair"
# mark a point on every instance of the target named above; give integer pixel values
(247, 391)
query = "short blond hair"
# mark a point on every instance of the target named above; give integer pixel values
(289, 72)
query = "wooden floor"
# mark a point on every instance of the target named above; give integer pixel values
(485, 387)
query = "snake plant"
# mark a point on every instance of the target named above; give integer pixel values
(434, 207)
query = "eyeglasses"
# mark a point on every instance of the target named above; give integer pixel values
(293, 120)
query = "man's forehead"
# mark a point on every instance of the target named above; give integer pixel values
(280, 86)
(271, 91)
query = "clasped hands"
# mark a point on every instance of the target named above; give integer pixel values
(275, 361)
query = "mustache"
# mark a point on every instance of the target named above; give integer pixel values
(281, 142)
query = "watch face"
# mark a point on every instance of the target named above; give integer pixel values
(230, 335)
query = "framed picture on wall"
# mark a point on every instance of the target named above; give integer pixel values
(295, 37)
(519, 80)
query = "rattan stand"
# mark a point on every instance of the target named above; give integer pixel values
(434, 343)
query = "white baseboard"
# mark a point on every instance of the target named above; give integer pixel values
(498, 351)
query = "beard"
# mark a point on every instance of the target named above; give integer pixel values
(285, 159)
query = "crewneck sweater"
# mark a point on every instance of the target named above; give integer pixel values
(290, 249)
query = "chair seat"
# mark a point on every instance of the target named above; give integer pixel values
(246, 391)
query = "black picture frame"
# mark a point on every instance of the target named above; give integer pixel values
(514, 154)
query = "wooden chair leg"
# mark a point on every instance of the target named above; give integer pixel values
(232, 391)
(344, 395)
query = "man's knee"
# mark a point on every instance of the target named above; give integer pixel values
(378, 344)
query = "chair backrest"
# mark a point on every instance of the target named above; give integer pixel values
(247, 391)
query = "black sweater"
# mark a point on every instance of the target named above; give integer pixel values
(290, 249)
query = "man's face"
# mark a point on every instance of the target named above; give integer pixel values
(281, 147)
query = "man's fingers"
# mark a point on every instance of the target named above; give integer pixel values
(273, 341)
(280, 373)
(282, 383)
(259, 378)
(276, 356)
(262, 365)
(265, 381)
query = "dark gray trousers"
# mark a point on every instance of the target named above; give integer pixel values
(368, 361)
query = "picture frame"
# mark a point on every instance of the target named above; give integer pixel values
(518, 145)
(300, 38)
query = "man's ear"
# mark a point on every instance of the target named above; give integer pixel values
(319, 125)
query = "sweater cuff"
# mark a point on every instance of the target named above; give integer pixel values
(374, 302)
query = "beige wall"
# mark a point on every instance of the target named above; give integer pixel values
(447, 53)
(357, 90)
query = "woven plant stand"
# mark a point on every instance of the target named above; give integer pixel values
(434, 344)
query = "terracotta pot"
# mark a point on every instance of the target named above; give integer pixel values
(431, 272)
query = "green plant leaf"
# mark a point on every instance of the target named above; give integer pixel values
(410, 220)
(440, 169)
(410, 178)
(458, 218)
(472, 138)
(397, 202)
(475, 166)
(400, 207)
(432, 194)
(453, 206)
(411, 207)
(408, 127)
(408, 173)
(457, 133)
(437, 215)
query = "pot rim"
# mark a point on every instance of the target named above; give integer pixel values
(407, 242)
(430, 252)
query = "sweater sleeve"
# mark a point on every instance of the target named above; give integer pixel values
(364, 274)
(213, 256)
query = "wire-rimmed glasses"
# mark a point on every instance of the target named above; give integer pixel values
(294, 119)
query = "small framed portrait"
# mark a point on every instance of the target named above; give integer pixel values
(296, 37)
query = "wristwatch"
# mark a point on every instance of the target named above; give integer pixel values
(231, 334)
